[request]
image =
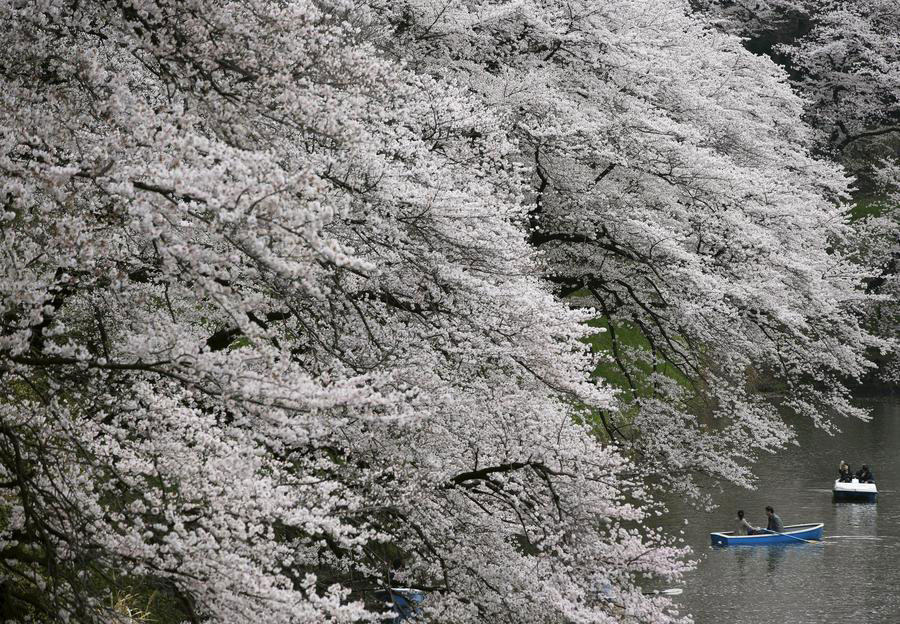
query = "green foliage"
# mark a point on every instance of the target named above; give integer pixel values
(869, 206)
(624, 342)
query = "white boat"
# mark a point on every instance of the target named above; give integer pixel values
(855, 491)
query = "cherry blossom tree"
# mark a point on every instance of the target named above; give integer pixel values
(879, 244)
(775, 21)
(845, 59)
(850, 66)
(850, 69)
(281, 316)
(674, 189)
(271, 335)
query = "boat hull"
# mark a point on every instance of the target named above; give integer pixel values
(793, 534)
(855, 492)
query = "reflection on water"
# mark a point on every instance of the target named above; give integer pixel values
(747, 561)
(774, 556)
(742, 555)
(857, 515)
(854, 576)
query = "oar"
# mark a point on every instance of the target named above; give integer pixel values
(675, 591)
(799, 539)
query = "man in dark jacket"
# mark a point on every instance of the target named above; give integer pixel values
(865, 475)
(775, 525)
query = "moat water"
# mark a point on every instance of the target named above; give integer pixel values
(852, 578)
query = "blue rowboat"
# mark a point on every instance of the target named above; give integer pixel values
(793, 533)
(403, 601)
(855, 492)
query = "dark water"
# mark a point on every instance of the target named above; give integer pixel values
(854, 577)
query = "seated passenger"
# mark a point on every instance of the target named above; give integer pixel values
(844, 474)
(865, 475)
(743, 527)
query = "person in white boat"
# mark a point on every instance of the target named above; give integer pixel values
(844, 474)
(864, 475)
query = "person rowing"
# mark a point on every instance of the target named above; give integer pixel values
(775, 525)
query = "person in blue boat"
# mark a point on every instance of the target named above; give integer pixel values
(865, 475)
(844, 474)
(742, 527)
(775, 525)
